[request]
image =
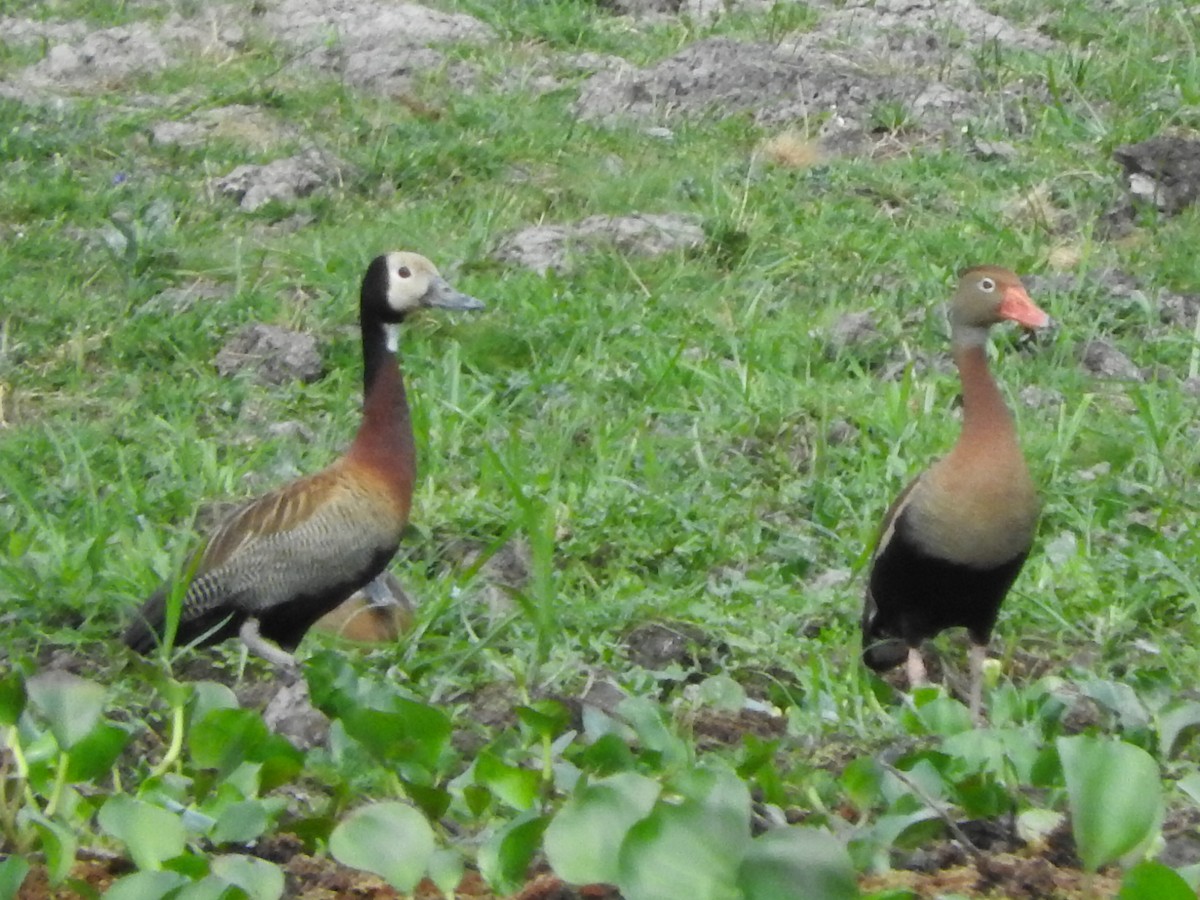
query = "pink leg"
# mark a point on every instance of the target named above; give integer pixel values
(978, 658)
(916, 669)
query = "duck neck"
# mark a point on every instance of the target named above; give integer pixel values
(985, 415)
(385, 439)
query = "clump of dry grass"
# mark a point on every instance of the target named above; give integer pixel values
(791, 150)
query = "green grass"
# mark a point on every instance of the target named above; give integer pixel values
(668, 420)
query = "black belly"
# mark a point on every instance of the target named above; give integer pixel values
(916, 595)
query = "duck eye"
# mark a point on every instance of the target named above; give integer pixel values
(986, 284)
(403, 272)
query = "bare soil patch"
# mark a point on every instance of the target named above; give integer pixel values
(545, 247)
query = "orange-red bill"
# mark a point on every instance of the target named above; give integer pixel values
(1016, 305)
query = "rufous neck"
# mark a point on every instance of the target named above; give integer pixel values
(984, 410)
(386, 426)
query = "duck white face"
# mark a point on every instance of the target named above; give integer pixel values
(413, 282)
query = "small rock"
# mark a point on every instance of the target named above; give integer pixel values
(180, 299)
(1102, 359)
(291, 430)
(1035, 396)
(545, 247)
(1179, 309)
(1164, 170)
(993, 150)
(830, 578)
(1191, 386)
(841, 432)
(292, 715)
(853, 329)
(284, 180)
(656, 645)
(275, 355)
(603, 694)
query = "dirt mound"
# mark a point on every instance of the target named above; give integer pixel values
(1164, 170)
(101, 60)
(867, 67)
(371, 44)
(544, 247)
(247, 125)
(283, 180)
(275, 355)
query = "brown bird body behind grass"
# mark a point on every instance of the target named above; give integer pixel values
(283, 561)
(955, 539)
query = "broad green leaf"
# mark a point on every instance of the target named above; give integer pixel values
(505, 857)
(584, 839)
(260, 879)
(151, 834)
(721, 692)
(12, 698)
(690, 850)
(388, 839)
(647, 720)
(210, 887)
(797, 864)
(1190, 785)
(446, 870)
(545, 718)
(223, 738)
(58, 844)
(513, 785)
(1154, 881)
(71, 705)
(209, 695)
(145, 886)
(862, 780)
(12, 875)
(409, 732)
(1115, 797)
(1120, 699)
(944, 716)
(607, 754)
(240, 823)
(96, 753)
(1173, 722)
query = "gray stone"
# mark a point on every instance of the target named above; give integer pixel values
(284, 180)
(544, 247)
(274, 355)
(1104, 360)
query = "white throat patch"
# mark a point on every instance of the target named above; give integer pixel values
(391, 333)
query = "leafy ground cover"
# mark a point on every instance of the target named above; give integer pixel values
(714, 241)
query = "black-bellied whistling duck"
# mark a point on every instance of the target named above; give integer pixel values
(953, 542)
(283, 561)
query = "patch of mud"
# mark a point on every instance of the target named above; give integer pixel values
(700, 10)
(246, 125)
(1103, 360)
(917, 34)
(290, 713)
(868, 67)
(272, 354)
(714, 728)
(1163, 171)
(105, 59)
(545, 247)
(371, 44)
(657, 645)
(284, 180)
(175, 300)
(15, 31)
